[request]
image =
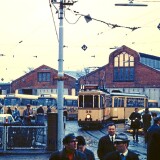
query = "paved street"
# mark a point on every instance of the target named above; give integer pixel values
(91, 136)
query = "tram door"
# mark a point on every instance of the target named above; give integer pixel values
(118, 109)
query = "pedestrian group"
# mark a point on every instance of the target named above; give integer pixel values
(114, 146)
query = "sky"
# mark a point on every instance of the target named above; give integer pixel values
(29, 33)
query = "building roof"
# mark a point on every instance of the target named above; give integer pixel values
(149, 56)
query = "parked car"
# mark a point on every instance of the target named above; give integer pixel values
(6, 118)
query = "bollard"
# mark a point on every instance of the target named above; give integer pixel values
(52, 123)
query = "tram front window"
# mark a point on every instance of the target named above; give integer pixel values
(95, 101)
(88, 101)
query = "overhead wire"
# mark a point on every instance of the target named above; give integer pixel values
(108, 24)
(50, 5)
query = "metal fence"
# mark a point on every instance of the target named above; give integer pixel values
(23, 137)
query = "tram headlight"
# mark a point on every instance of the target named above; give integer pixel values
(88, 116)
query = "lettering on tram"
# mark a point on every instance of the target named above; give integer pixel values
(96, 107)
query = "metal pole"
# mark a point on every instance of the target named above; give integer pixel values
(60, 83)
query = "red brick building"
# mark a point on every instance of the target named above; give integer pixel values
(42, 80)
(128, 71)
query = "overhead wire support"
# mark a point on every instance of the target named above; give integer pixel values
(60, 79)
(89, 18)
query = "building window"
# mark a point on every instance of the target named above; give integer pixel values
(123, 67)
(44, 77)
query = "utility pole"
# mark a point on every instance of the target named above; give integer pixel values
(60, 82)
(60, 78)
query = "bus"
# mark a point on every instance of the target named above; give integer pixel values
(152, 103)
(20, 101)
(70, 104)
(97, 107)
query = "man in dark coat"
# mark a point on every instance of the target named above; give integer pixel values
(146, 117)
(135, 118)
(122, 152)
(81, 146)
(69, 152)
(153, 140)
(106, 144)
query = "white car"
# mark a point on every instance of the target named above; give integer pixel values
(6, 118)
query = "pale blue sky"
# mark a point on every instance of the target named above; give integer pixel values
(31, 22)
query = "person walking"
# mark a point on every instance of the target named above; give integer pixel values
(27, 115)
(69, 152)
(106, 143)
(40, 118)
(40, 110)
(146, 117)
(9, 111)
(153, 140)
(16, 114)
(154, 115)
(135, 118)
(81, 146)
(122, 152)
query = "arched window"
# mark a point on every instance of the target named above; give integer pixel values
(123, 67)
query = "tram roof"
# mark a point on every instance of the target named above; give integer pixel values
(92, 92)
(128, 94)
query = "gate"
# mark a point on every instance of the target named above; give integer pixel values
(23, 137)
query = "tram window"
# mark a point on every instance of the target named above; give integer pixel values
(101, 102)
(115, 102)
(110, 102)
(135, 102)
(140, 102)
(129, 102)
(119, 102)
(96, 102)
(88, 101)
(80, 101)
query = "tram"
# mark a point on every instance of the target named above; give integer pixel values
(93, 107)
(123, 104)
(97, 107)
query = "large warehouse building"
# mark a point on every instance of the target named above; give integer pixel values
(128, 71)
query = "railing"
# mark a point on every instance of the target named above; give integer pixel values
(23, 137)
